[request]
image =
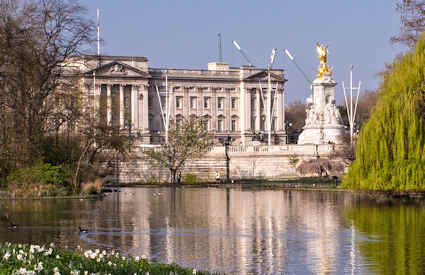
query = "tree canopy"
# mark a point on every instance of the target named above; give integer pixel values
(188, 139)
(390, 153)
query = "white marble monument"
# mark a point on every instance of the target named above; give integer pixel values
(323, 122)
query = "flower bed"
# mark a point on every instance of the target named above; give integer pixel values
(35, 259)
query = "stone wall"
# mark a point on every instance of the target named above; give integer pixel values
(272, 162)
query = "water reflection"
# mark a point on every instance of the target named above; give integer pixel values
(396, 237)
(233, 230)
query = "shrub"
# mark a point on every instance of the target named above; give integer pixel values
(92, 188)
(191, 179)
(39, 180)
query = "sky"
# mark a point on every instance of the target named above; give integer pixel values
(183, 34)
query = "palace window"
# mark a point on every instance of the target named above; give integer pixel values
(193, 102)
(179, 102)
(233, 103)
(206, 102)
(233, 125)
(220, 125)
(220, 102)
(273, 123)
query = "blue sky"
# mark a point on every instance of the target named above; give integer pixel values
(183, 34)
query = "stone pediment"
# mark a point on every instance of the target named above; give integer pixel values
(117, 69)
(262, 76)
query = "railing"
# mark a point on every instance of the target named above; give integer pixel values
(306, 149)
(286, 149)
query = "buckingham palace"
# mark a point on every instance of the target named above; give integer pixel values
(126, 93)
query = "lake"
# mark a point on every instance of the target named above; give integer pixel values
(234, 230)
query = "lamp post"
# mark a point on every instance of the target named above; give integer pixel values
(287, 126)
(227, 142)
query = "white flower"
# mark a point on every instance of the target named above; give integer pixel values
(57, 257)
(6, 255)
(194, 271)
(39, 266)
(56, 271)
(109, 263)
(137, 258)
(48, 252)
(52, 245)
(19, 257)
(144, 257)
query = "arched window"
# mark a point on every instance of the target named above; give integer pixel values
(220, 123)
(234, 124)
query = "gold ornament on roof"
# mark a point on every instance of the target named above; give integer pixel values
(322, 54)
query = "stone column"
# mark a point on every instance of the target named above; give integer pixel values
(248, 109)
(213, 109)
(257, 111)
(88, 100)
(280, 111)
(121, 106)
(144, 112)
(186, 102)
(269, 113)
(133, 100)
(242, 110)
(108, 104)
(228, 110)
(97, 101)
(136, 99)
(199, 108)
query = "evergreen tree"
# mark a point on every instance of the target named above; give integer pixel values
(390, 153)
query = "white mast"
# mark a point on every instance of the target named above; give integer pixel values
(98, 33)
(167, 116)
(351, 113)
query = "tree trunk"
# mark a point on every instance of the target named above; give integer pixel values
(173, 175)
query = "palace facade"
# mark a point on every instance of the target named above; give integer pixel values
(126, 93)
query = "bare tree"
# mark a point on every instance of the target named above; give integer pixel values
(36, 38)
(412, 14)
(295, 120)
(189, 139)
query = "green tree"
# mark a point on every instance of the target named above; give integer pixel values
(390, 152)
(187, 140)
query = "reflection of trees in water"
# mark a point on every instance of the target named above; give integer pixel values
(397, 237)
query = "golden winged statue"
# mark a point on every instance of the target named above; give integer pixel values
(322, 54)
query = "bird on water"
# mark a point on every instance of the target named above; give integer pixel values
(82, 230)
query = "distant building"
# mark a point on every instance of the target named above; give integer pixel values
(128, 94)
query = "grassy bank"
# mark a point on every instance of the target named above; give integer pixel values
(35, 259)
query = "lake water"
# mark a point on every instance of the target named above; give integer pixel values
(234, 230)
